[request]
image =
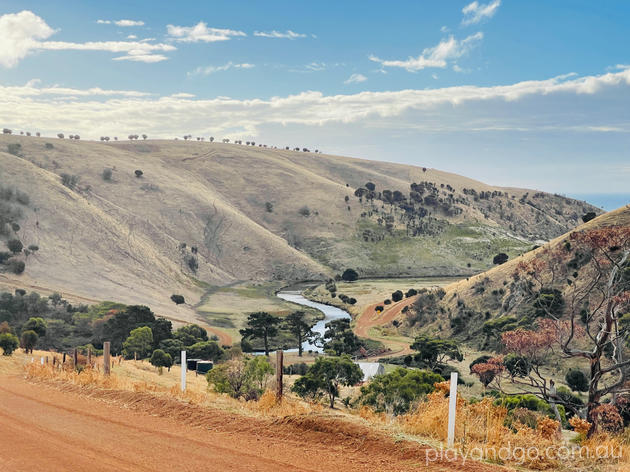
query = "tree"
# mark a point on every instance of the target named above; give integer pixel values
(15, 246)
(60, 135)
(588, 216)
(397, 296)
(350, 275)
(178, 299)
(144, 136)
(593, 327)
(139, 342)
(340, 339)
(577, 380)
(117, 328)
(162, 330)
(8, 342)
(500, 258)
(161, 359)
(173, 347)
(191, 334)
(370, 186)
(326, 376)
(434, 351)
(396, 392)
(28, 340)
(298, 326)
(36, 324)
(206, 350)
(261, 325)
(138, 173)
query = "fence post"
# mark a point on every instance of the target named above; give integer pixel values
(90, 356)
(184, 367)
(279, 373)
(41, 360)
(106, 363)
(452, 407)
(75, 358)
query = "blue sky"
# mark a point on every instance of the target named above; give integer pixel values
(513, 93)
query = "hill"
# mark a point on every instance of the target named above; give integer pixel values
(199, 214)
(479, 308)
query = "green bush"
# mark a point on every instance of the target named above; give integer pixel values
(107, 175)
(161, 359)
(397, 391)
(9, 343)
(577, 380)
(178, 299)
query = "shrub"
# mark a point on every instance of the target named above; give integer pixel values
(577, 380)
(411, 292)
(49, 145)
(397, 296)
(242, 377)
(178, 299)
(9, 343)
(15, 246)
(396, 392)
(69, 181)
(138, 173)
(16, 266)
(350, 275)
(305, 211)
(588, 216)
(269, 207)
(500, 258)
(161, 359)
(14, 148)
(107, 175)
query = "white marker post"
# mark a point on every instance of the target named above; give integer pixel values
(183, 357)
(41, 359)
(452, 406)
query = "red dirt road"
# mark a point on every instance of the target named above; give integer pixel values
(59, 428)
(369, 319)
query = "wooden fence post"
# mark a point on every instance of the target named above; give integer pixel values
(90, 356)
(279, 355)
(452, 408)
(106, 362)
(75, 358)
(63, 361)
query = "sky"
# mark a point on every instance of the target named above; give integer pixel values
(531, 94)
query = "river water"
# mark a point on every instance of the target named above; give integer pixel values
(330, 313)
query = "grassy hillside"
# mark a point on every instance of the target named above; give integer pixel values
(213, 214)
(477, 309)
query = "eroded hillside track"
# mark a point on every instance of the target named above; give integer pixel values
(55, 430)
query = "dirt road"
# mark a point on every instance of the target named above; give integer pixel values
(43, 427)
(370, 319)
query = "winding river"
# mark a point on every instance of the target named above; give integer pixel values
(330, 313)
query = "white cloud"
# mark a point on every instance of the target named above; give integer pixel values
(123, 23)
(209, 70)
(278, 34)
(182, 95)
(148, 58)
(201, 32)
(128, 23)
(132, 36)
(19, 35)
(23, 33)
(570, 104)
(436, 57)
(444, 29)
(475, 12)
(355, 79)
